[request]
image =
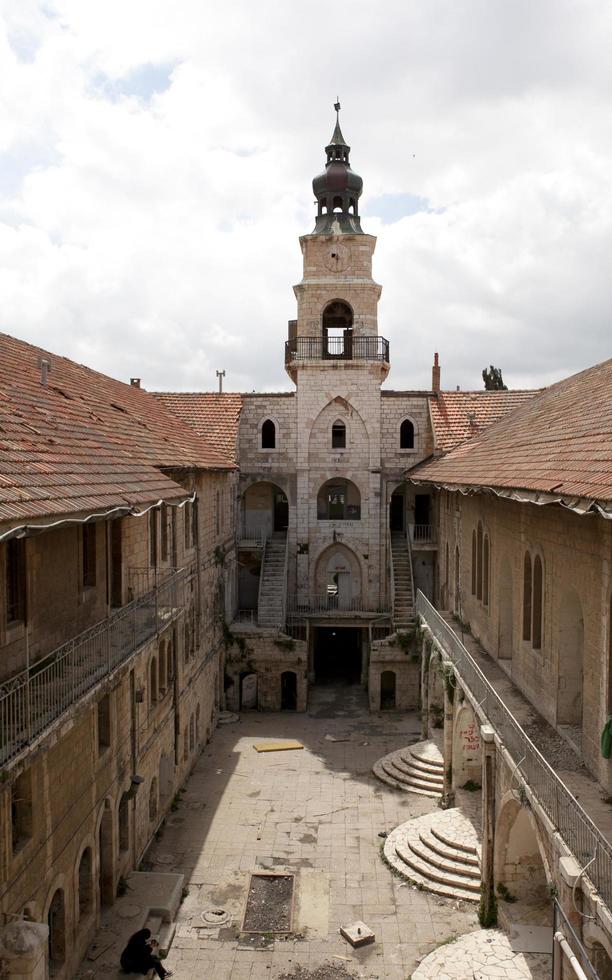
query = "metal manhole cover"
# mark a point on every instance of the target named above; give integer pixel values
(215, 917)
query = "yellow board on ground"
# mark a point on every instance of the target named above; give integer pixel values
(281, 746)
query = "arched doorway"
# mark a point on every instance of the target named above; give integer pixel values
(571, 657)
(387, 690)
(56, 920)
(265, 510)
(105, 852)
(519, 868)
(338, 577)
(435, 690)
(337, 330)
(288, 690)
(85, 884)
(505, 600)
(123, 815)
(248, 691)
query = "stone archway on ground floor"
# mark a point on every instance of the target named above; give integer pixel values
(467, 749)
(521, 871)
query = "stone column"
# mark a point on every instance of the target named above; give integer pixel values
(488, 908)
(23, 950)
(424, 689)
(448, 793)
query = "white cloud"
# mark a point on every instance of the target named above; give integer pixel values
(158, 159)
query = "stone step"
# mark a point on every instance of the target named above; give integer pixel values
(430, 755)
(421, 763)
(432, 778)
(443, 838)
(433, 875)
(406, 782)
(446, 852)
(451, 866)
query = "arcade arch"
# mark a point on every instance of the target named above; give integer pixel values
(519, 861)
(265, 510)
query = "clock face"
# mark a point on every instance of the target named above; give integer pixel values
(338, 258)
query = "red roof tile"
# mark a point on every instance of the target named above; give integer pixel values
(84, 441)
(559, 442)
(460, 415)
(214, 416)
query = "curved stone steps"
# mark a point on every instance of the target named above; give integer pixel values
(417, 769)
(447, 867)
(408, 782)
(444, 851)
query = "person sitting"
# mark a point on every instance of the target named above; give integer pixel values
(137, 957)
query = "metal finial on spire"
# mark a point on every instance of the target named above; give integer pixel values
(337, 105)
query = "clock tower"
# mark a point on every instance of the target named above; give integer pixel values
(338, 361)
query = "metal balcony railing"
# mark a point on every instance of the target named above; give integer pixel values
(347, 348)
(331, 604)
(252, 533)
(422, 533)
(31, 701)
(582, 837)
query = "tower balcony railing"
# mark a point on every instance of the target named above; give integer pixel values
(31, 701)
(346, 348)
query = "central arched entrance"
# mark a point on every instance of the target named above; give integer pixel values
(338, 578)
(337, 655)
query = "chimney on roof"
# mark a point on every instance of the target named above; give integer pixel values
(45, 367)
(135, 382)
(435, 375)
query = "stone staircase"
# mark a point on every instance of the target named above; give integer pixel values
(273, 583)
(439, 852)
(416, 769)
(403, 599)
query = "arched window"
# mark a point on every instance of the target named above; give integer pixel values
(85, 884)
(124, 823)
(527, 596)
(339, 500)
(337, 329)
(473, 562)
(479, 561)
(56, 920)
(338, 435)
(268, 435)
(537, 603)
(153, 801)
(485, 570)
(162, 681)
(406, 435)
(153, 681)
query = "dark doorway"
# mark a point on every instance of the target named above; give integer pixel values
(387, 690)
(105, 852)
(288, 690)
(337, 655)
(396, 514)
(281, 511)
(421, 508)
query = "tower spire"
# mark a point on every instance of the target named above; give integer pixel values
(338, 188)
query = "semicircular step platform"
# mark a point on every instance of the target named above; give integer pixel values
(439, 852)
(486, 953)
(418, 769)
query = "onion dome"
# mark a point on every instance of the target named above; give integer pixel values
(337, 189)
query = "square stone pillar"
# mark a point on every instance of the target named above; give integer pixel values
(488, 905)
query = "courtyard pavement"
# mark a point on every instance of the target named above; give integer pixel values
(317, 813)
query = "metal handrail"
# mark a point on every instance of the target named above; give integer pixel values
(285, 583)
(250, 533)
(409, 546)
(329, 603)
(346, 348)
(31, 701)
(581, 835)
(264, 548)
(391, 574)
(421, 532)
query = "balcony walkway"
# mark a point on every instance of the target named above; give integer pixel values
(557, 751)
(570, 796)
(33, 700)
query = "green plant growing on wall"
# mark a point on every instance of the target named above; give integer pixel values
(437, 714)
(405, 639)
(487, 916)
(450, 681)
(219, 555)
(471, 786)
(504, 893)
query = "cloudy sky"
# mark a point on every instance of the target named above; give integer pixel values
(156, 159)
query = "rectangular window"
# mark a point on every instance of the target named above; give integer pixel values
(164, 532)
(89, 555)
(16, 581)
(153, 537)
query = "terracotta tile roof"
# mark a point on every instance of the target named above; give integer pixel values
(460, 415)
(559, 442)
(84, 441)
(214, 416)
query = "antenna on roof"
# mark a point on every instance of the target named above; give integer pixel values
(221, 375)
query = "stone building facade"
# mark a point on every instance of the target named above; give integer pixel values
(111, 638)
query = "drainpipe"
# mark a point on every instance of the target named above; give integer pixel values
(565, 947)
